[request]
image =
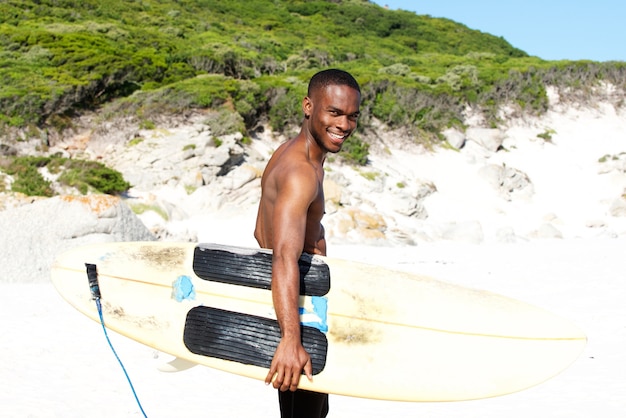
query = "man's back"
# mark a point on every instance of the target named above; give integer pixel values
(289, 176)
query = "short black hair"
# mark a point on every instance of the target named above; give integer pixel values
(332, 77)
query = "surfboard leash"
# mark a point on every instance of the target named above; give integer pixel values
(94, 287)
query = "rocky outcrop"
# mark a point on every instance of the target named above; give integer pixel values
(34, 234)
(488, 184)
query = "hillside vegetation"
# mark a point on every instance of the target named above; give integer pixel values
(249, 60)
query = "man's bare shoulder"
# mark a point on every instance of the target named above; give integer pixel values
(290, 162)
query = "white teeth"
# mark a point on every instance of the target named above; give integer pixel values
(337, 136)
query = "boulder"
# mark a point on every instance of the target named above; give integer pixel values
(509, 182)
(490, 139)
(34, 234)
(454, 137)
(355, 225)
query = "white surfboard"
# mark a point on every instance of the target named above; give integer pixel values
(372, 332)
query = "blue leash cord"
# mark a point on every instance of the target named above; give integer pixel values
(106, 334)
(95, 292)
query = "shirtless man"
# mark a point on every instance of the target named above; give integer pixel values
(289, 222)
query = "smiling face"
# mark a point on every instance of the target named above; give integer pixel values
(331, 115)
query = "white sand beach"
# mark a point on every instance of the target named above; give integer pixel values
(57, 363)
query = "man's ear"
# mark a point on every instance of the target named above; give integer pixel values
(307, 106)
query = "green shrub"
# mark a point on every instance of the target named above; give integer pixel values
(285, 104)
(27, 178)
(547, 135)
(135, 141)
(147, 124)
(86, 174)
(83, 175)
(355, 151)
(29, 181)
(225, 122)
(148, 58)
(141, 208)
(398, 69)
(369, 175)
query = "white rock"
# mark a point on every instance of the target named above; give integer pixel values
(34, 234)
(454, 137)
(490, 139)
(507, 181)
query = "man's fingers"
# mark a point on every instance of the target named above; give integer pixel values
(289, 381)
(281, 378)
(275, 376)
(286, 375)
(295, 379)
(308, 370)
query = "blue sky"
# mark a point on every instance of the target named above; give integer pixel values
(548, 29)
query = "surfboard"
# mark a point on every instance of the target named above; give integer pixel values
(372, 332)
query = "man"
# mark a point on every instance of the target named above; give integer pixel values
(289, 222)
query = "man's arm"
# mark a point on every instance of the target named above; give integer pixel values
(289, 218)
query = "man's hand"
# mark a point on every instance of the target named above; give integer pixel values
(289, 360)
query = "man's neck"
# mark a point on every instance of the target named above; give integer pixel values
(314, 152)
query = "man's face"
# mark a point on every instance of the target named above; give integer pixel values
(332, 114)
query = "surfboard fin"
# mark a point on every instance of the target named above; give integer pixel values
(176, 365)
